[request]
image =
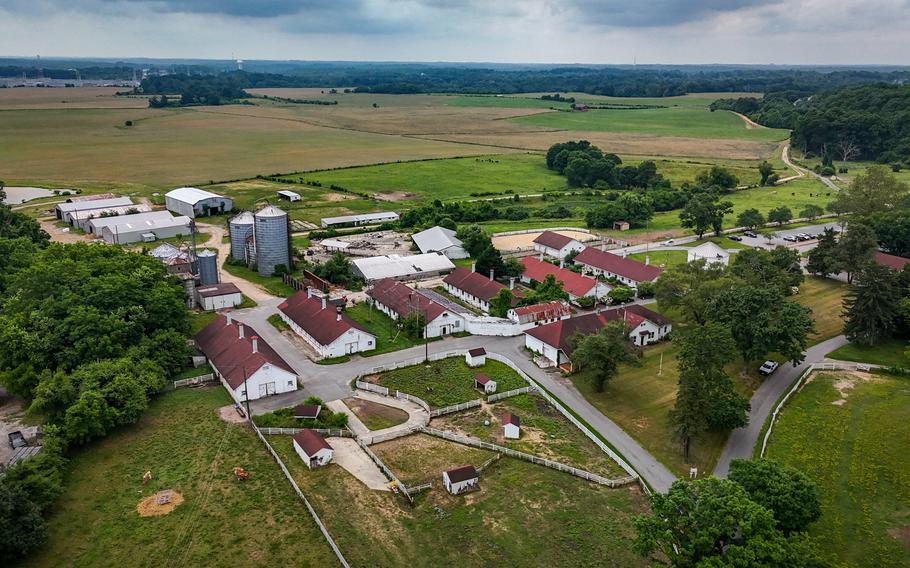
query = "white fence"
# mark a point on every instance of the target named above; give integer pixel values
(833, 366)
(371, 387)
(454, 408)
(527, 231)
(194, 380)
(421, 487)
(513, 392)
(390, 475)
(337, 433)
(418, 401)
(287, 474)
(599, 479)
(385, 437)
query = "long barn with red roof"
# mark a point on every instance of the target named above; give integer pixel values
(609, 265)
(324, 326)
(575, 284)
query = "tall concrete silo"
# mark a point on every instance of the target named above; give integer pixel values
(208, 266)
(271, 230)
(240, 227)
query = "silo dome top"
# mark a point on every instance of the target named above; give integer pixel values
(270, 211)
(244, 218)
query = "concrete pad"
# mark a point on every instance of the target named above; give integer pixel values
(354, 423)
(355, 461)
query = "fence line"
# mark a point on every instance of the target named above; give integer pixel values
(418, 401)
(513, 392)
(394, 434)
(420, 487)
(287, 474)
(194, 380)
(330, 432)
(599, 479)
(371, 387)
(798, 383)
(454, 408)
(385, 470)
(489, 462)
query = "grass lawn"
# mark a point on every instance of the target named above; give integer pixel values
(198, 320)
(272, 284)
(855, 452)
(223, 522)
(545, 432)
(278, 323)
(890, 353)
(449, 381)
(376, 416)
(247, 303)
(825, 297)
(678, 121)
(191, 372)
(524, 515)
(388, 336)
(663, 258)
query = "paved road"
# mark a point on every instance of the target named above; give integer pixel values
(741, 442)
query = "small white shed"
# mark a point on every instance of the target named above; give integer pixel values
(289, 195)
(312, 448)
(484, 383)
(476, 357)
(511, 426)
(460, 479)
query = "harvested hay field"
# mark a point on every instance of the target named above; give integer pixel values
(161, 503)
(24, 98)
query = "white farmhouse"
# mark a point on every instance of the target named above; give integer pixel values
(312, 448)
(325, 327)
(194, 202)
(709, 252)
(556, 245)
(460, 479)
(511, 426)
(247, 366)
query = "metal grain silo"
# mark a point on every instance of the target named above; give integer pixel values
(208, 266)
(240, 227)
(271, 230)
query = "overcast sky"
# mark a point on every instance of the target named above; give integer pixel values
(520, 31)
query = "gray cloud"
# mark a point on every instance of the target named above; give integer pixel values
(657, 13)
(247, 8)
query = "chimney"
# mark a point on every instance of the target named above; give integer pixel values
(473, 267)
(240, 329)
(491, 274)
(324, 303)
(227, 315)
(562, 263)
(647, 260)
(255, 344)
(540, 258)
(338, 313)
(309, 292)
(511, 283)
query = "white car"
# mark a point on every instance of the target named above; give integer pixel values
(790, 238)
(667, 243)
(768, 367)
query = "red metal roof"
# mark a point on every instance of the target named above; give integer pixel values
(509, 418)
(477, 352)
(891, 261)
(404, 300)
(482, 378)
(232, 355)
(552, 240)
(616, 264)
(475, 284)
(537, 312)
(322, 324)
(462, 473)
(222, 289)
(576, 284)
(307, 410)
(311, 442)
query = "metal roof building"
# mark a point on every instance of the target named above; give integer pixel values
(97, 224)
(81, 219)
(402, 267)
(132, 231)
(440, 239)
(195, 202)
(271, 234)
(64, 210)
(363, 219)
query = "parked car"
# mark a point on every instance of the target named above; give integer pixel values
(736, 238)
(790, 238)
(750, 234)
(768, 367)
(667, 243)
(17, 440)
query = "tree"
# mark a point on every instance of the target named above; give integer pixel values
(502, 303)
(718, 177)
(489, 259)
(870, 305)
(785, 491)
(706, 398)
(891, 228)
(14, 224)
(473, 238)
(448, 223)
(765, 169)
(848, 148)
(780, 215)
(856, 248)
(750, 218)
(824, 259)
(811, 211)
(602, 353)
(875, 191)
(639, 208)
(550, 290)
(779, 267)
(621, 295)
(704, 211)
(24, 529)
(336, 270)
(690, 288)
(712, 522)
(762, 322)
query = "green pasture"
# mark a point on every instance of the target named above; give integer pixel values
(891, 353)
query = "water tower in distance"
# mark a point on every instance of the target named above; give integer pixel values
(240, 65)
(271, 234)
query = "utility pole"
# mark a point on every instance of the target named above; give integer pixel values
(246, 395)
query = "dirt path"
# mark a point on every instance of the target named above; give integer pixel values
(59, 234)
(750, 124)
(216, 241)
(349, 456)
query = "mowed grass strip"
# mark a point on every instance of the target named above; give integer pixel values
(524, 515)
(449, 381)
(825, 298)
(891, 353)
(376, 416)
(188, 448)
(850, 435)
(680, 121)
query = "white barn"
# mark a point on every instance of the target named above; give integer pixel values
(312, 448)
(400, 267)
(511, 426)
(83, 219)
(358, 220)
(64, 211)
(130, 230)
(194, 202)
(218, 296)
(442, 240)
(329, 331)
(460, 479)
(246, 365)
(556, 245)
(709, 252)
(398, 300)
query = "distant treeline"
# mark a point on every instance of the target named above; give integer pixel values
(863, 122)
(96, 73)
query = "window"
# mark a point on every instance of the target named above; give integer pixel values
(290, 383)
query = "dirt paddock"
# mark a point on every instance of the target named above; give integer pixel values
(526, 240)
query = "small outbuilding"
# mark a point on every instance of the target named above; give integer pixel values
(289, 195)
(511, 426)
(460, 479)
(620, 225)
(307, 411)
(219, 296)
(484, 383)
(312, 448)
(476, 357)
